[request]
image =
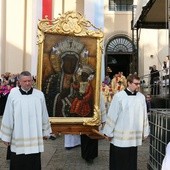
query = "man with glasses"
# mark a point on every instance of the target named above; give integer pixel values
(126, 125)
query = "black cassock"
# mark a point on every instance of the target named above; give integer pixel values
(89, 148)
(123, 158)
(25, 162)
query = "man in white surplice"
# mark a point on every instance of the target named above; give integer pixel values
(126, 125)
(25, 124)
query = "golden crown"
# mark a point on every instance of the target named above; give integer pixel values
(68, 45)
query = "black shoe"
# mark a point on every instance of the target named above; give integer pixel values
(52, 137)
(68, 148)
(89, 161)
(76, 146)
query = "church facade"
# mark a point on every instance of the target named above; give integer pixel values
(124, 49)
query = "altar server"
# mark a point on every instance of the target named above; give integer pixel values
(126, 125)
(89, 146)
(25, 124)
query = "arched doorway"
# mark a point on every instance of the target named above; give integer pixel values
(120, 55)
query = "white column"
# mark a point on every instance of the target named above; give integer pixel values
(99, 14)
(96, 17)
(96, 14)
(15, 32)
(89, 6)
(35, 11)
(99, 23)
(21, 51)
(2, 36)
(57, 8)
(69, 5)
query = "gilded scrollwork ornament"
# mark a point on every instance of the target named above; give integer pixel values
(72, 23)
(96, 120)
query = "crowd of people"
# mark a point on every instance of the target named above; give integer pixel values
(120, 94)
(112, 86)
(7, 82)
(23, 96)
(159, 78)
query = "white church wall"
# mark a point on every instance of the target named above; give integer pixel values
(18, 35)
(2, 36)
(36, 10)
(153, 47)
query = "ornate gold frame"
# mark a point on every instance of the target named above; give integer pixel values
(74, 25)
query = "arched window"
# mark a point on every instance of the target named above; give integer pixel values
(120, 5)
(119, 45)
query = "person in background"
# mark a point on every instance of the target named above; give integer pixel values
(4, 92)
(107, 79)
(89, 146)
(118, 82)
(126, 125)
(25, 124)
(71, 141)
(165, 65)
(154, 81)
(105, 90)
(165, 71)
(149, 104)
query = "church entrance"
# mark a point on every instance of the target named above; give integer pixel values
(119, 63)
(120, 56)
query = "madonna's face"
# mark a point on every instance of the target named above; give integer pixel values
(69, 64)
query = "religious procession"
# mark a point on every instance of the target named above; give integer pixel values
(84, 85)
(112, 86)
(89, 146)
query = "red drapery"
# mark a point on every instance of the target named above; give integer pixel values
(47, 9)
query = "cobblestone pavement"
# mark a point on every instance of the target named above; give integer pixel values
(56, 157)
